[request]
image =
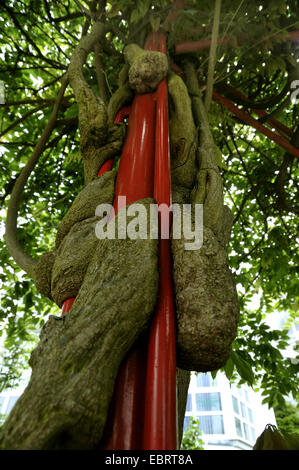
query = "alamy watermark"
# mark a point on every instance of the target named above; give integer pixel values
(2, 93)
(187, 222)
(294, 94)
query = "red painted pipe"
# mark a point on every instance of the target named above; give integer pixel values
(160, 422)
(160, 431)
(135, 180)
(279, 126)
(248, 119)
(66, 306)
(136, 167)
(107, 166)
(124, 425)
(124, 429)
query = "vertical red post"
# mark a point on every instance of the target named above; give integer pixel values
(124, 428)
(66, 306)
(143, 409)
(160, 424)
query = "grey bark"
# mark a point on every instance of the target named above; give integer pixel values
(75, 364)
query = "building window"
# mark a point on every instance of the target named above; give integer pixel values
(236, 405)
(211, 424)
(186, 422)
(2, 399)
(238, 427)
(11, 404)
(246, 431)
(243, 410)
(253, 434)
(189, 403)
(206, 380)
(247, 395)
(208, 401)
(250, 414)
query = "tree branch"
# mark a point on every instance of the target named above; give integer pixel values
(15, 249)
(212, 56)
(28, 38)
(68, 17)
(92, 109)
(82, 8)
(23, 118)
(37, 100)
(103, 91)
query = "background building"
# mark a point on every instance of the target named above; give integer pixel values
(231, 418)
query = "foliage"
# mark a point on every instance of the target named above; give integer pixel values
(192, 436)
(259, 176)
(287, 418)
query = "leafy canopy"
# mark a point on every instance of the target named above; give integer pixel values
(255, 56)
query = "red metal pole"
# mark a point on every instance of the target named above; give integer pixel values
(125, 420)
(160, 423)
(124, 429)
(248, 119)
(136, 167)
(124, 423)
(279, 126)
(66, 306)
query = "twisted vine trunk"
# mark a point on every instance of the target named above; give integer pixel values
(75, 364)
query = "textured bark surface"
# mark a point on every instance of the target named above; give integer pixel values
(123, 96)
(206, 303)
(206, 297)
(96, 154)
(147, 68)
(99, 191)
(183, 135)
(72, 259)
(43, 273)
(76, 362)
(60, 273)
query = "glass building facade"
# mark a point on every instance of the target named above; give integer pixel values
(229, 417)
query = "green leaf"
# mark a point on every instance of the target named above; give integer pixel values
(72, 111)
(229, 368)
(244, 369)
